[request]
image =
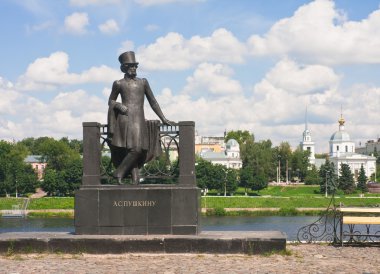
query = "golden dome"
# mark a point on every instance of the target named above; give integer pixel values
(341, 121)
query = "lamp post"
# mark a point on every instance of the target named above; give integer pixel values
(205, 194)
(290, 173)
(287, 172)
(225, 183)
(279, 169)
(298, 175)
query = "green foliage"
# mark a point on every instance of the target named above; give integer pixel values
(312, 176)
(159, 168)
(346, 179)
(260, 181)
(362, 180)
(15, 174)
(246, 178)
(258, 158)
(231, 178)
(63, 174)
(216, 177)
(299, 163)
(240, 136)
(328, 177)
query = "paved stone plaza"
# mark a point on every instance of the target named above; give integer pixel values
(304, 258)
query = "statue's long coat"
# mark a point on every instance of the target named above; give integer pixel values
(131, 130)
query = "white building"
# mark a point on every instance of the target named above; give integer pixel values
(308, 144)
(230, 157)
(342, 150)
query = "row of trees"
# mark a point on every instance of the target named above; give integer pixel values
(15, 175)
(329, 181)
(64, 166)
(260, 165)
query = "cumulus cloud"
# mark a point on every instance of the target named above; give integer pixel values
(298, 79)
(276, 107)
(49, 72)
(109, 27)
(212, 78)
(61, 116)
(318, 32)
(174, 52)
(76, 23)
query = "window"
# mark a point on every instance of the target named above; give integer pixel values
(346, 148)
(337, 148)
(308, 148)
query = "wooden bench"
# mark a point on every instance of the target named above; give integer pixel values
(354, 216)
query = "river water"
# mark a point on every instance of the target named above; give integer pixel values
(289, 225)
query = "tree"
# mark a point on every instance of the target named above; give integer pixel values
(259, 157)
(328, 177)
(231, 180)
(346, 179)
(203, 170)
(240, 136)
(15, 174)
(300, 161)
(260, 181)
(362, 180)
(312, 176)
(246, 178)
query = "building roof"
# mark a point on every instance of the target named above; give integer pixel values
(34, 159)
(340, 135)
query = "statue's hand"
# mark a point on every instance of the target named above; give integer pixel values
(122, 109)
(169, 123)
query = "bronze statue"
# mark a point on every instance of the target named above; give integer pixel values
(133, 140)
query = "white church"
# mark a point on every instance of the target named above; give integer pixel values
(342, 150)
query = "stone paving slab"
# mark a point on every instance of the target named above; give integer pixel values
(217, 242)
(301, 258)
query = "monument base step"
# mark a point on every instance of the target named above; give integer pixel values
(213, 242)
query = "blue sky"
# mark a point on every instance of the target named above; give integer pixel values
(250, 65)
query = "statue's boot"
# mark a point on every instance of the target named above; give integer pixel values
(135, 176)
(127, 165)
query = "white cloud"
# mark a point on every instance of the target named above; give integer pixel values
(214, 79)
(126, 46)
(174, 52)
(84, 3)
(62, 116)
(294, 78)
(77, 23)
(151, 27)
(275, 109)
(109, 27)
(40, 27)
(49, 72)
(318, 32)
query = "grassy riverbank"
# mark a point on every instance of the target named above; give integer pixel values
(274, 200)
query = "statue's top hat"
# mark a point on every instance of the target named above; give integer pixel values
(127, 58)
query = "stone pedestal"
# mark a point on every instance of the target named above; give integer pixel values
(137, 210)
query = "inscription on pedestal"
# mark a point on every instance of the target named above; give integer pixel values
(134, 203)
